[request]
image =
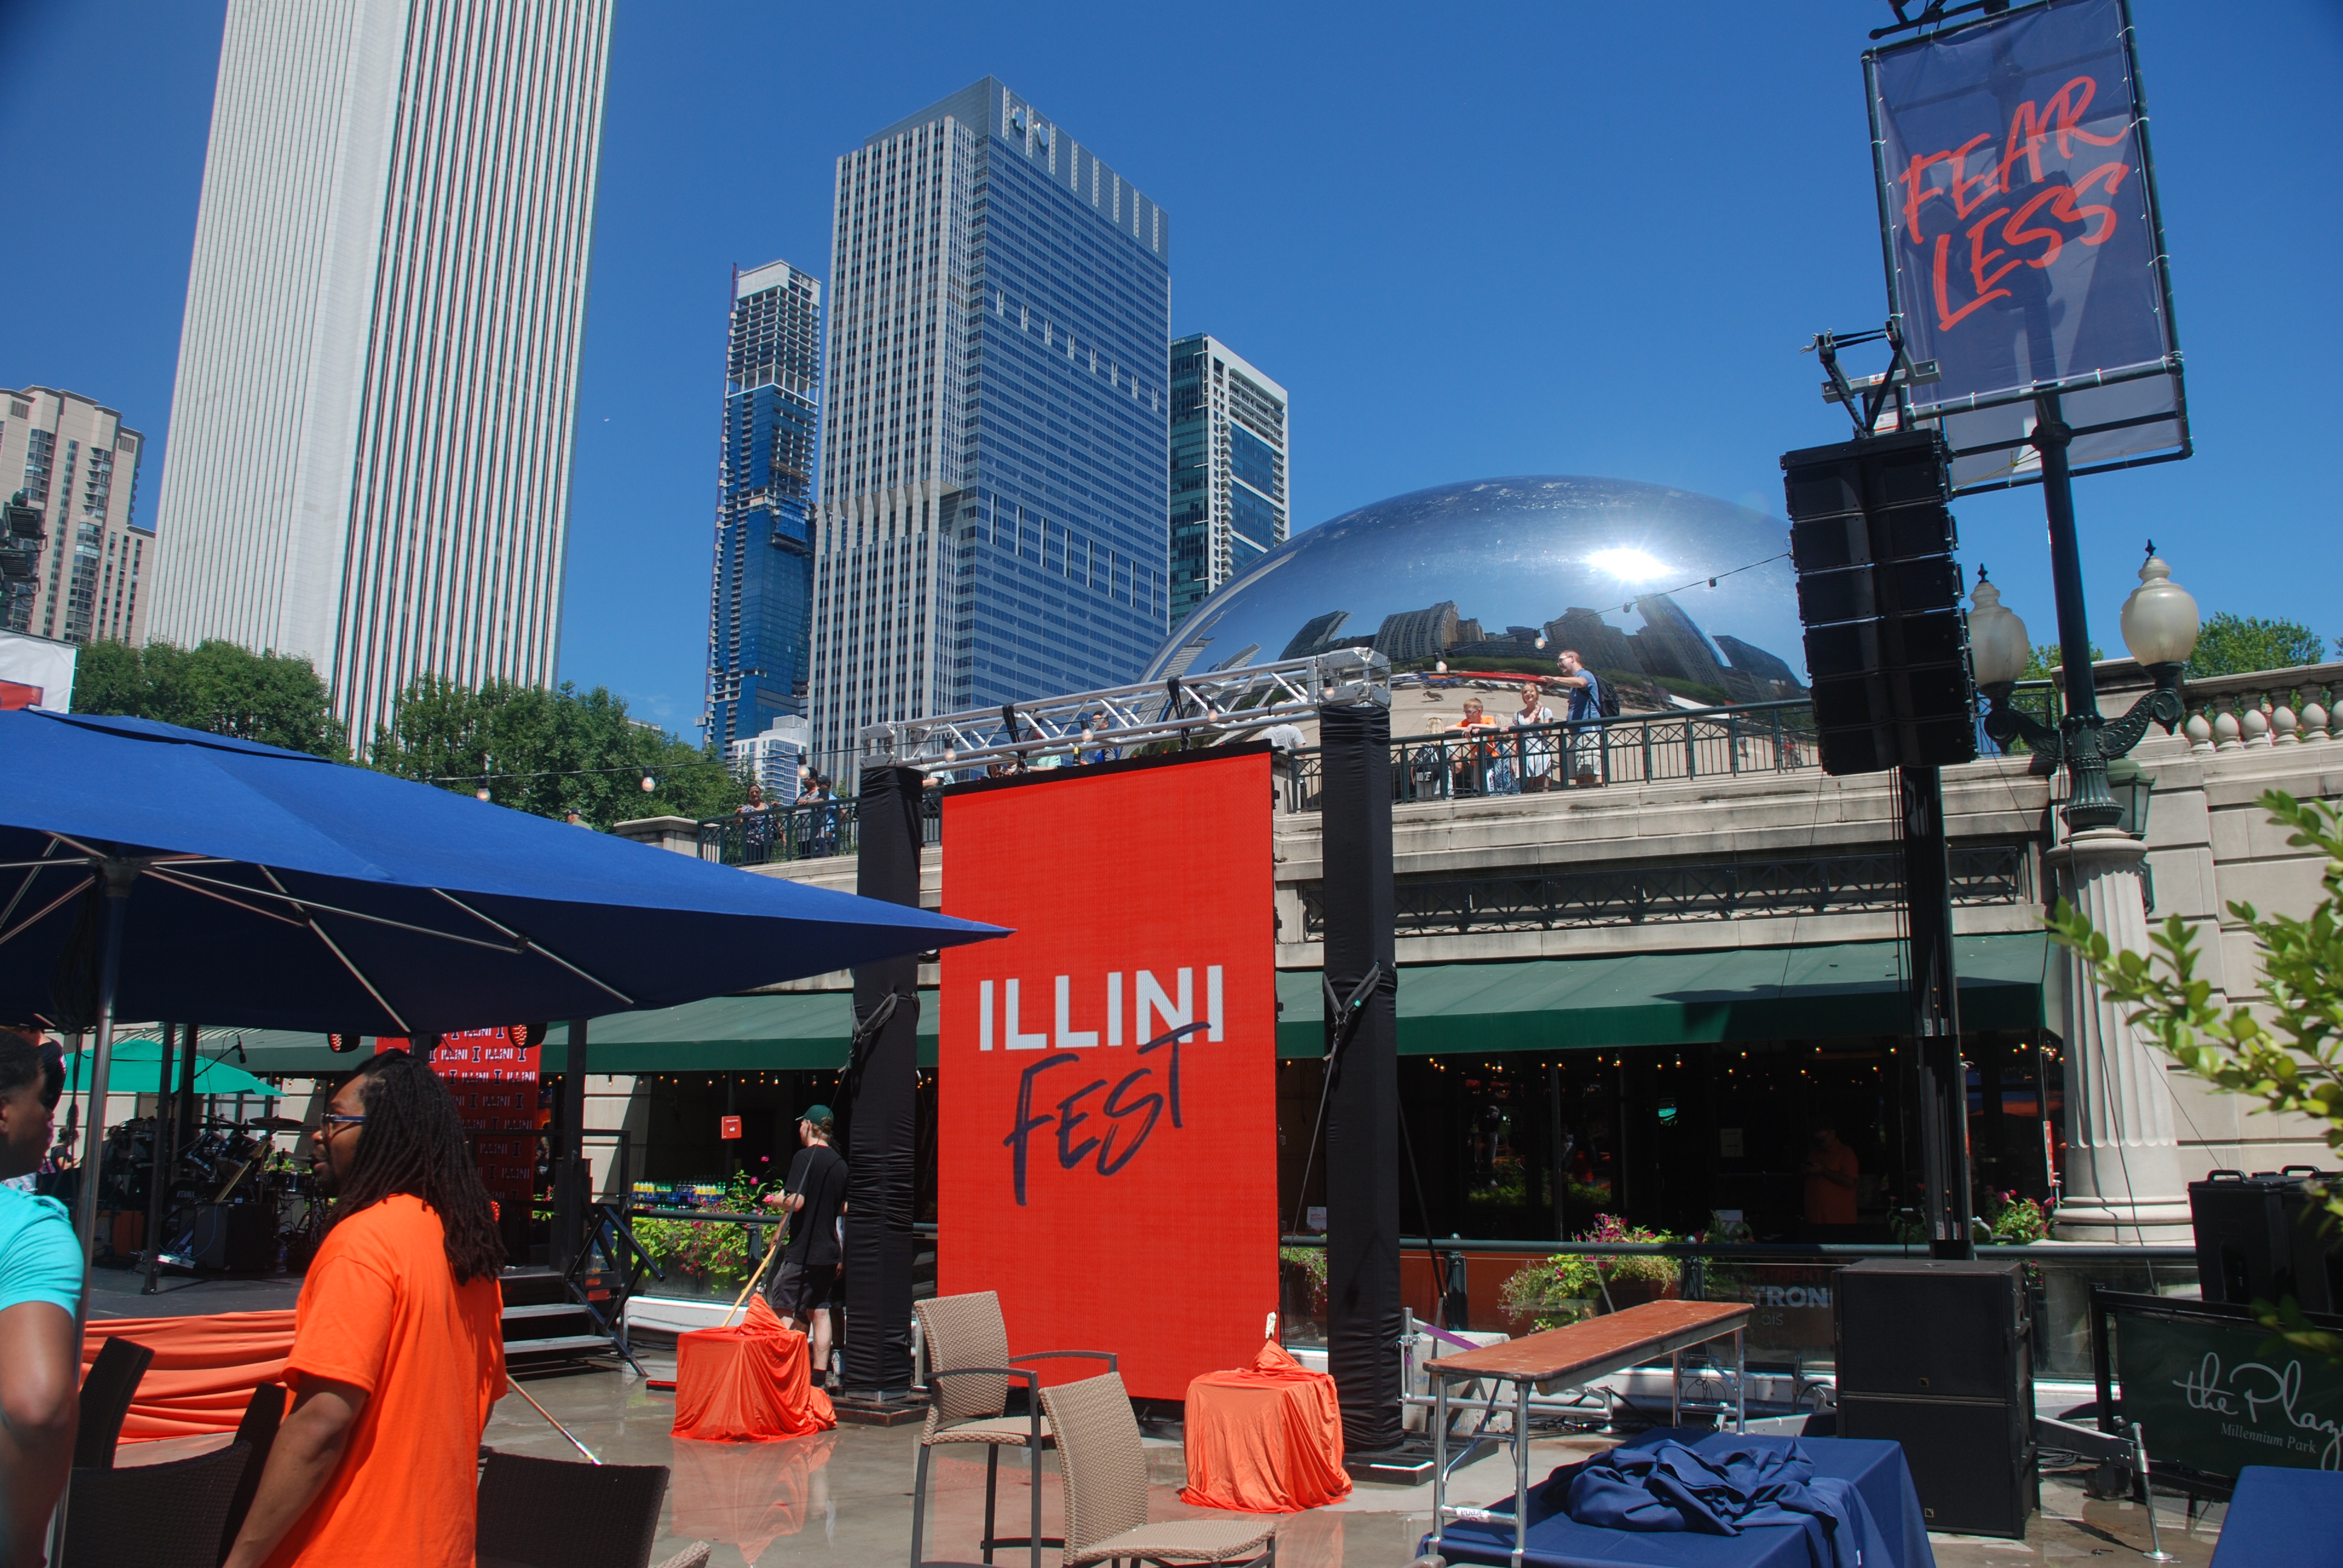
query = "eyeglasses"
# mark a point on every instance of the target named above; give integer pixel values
(334, 1121)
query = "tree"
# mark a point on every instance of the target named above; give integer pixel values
(2242, 644)
(276, 700)
(550, 752)
(2294, 1062)
(2048, 660)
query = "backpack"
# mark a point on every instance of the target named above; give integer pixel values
(1606, 701)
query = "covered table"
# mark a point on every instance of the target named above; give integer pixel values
(1875, 1470)
(747, 1383)
(1264, 1439)
(1572, 1356)
(204, 1372)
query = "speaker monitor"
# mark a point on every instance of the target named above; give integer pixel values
(2259, 1238)
(235, 1238)
(1937, 1356)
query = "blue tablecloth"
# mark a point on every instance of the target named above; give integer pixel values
(2280, 1515)
(1876, 1470)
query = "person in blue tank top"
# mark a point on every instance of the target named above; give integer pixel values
(40, 1303)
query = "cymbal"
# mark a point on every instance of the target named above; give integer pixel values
(275, 1124)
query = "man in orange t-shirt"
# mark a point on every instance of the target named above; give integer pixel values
(397, 1342)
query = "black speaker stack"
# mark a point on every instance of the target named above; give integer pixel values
(2260, 1237)
(1938, 1357)
(1887, 647)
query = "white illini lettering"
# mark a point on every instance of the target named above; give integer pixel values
(1212, 1000)
(1152, 1003)
(1012, 1038)
(1114, 1007)
(1070, 1039)
(984, 1015)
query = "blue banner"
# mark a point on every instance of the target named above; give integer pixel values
(2023, 244)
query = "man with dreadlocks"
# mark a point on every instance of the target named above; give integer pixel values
(397, 1342)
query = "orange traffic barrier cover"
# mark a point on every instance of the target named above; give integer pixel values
(204, 1372)
(748, 1384)
(1267, 1439)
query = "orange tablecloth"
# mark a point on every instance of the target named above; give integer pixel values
(1264, 1440)
(204, 1372)
(748, 1384)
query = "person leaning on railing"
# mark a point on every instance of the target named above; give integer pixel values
(756, 827)
(1586, 704)
(1534, 752)
(1469, 762)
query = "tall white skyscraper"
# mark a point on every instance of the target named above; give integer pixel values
(1229, 486)
(369, 446)
(76, 465)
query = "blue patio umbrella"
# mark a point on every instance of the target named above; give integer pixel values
(151, 871)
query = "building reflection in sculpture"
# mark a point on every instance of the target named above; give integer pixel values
(1673, 596)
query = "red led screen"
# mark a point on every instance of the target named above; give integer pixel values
(1110, 1171)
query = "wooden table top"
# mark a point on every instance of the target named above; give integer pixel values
(1563, 1356)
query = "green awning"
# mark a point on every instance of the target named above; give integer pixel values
(786, 1031)
(1845, 989)
(136, 1067)
(1849, 990)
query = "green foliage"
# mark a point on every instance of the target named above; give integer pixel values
(2241, 644)
(550, 752)
(1311, 1263)
(274, 699)
(2048, 660)
(2013, 1221)
(2294, 1062)
(1559, 1289)
(711, 1252)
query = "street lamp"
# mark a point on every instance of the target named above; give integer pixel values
(2160, 628)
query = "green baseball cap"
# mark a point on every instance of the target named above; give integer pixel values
(820, 1116)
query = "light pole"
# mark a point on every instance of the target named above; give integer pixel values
(2122, 1177)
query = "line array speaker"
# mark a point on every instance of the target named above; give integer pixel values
(1872, 538)
(1938, 1356)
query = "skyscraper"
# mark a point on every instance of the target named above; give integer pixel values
(78, 464)
(1228, 468)
(993, 523)
(370, 435)
(759, 607)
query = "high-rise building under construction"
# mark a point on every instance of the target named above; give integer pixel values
(761, 598)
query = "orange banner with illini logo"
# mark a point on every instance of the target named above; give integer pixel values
(1107, 1126)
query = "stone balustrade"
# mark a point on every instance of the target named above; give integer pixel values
(2295, 707)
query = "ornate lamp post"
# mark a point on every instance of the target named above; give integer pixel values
(2122, 1178)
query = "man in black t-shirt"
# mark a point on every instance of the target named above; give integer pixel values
(806, 1278)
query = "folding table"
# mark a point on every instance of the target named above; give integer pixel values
(1569, 1357)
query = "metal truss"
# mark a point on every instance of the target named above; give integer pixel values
(1219, 702)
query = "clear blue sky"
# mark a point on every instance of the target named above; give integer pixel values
(1470, 240)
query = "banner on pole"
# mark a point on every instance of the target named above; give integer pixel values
(2018, 201)
(492, 1073)
(1107, 1124)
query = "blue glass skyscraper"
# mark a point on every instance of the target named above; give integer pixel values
(759, 608)
(995, 451)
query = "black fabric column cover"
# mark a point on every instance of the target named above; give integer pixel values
(879, 1132)
(1363, 1294)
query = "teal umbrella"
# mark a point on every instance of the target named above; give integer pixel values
(138, 1069)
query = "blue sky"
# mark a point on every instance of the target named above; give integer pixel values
(1470, 240)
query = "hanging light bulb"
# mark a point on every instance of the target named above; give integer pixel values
(649, 783)
(481, 793)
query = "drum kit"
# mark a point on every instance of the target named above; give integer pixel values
(233, 1199)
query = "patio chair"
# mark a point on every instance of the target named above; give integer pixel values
(165, 1515)
(560, 1513)
(111, 1383)
(968, 1369)
(263, 1413)
(1105, 1467)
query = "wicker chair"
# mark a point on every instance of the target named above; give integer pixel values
(559, 1513)
(264, 1412)
(1105, 1466)
(968, 1369)
(166, 1515)
(106, 1396)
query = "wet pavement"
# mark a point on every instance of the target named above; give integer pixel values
(845, 1496)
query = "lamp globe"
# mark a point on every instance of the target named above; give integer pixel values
(2160, 618)
(1997, 646)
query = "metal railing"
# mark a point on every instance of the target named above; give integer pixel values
(810, 830)
(1633, 749)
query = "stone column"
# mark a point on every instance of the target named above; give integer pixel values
(2123, 1162)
